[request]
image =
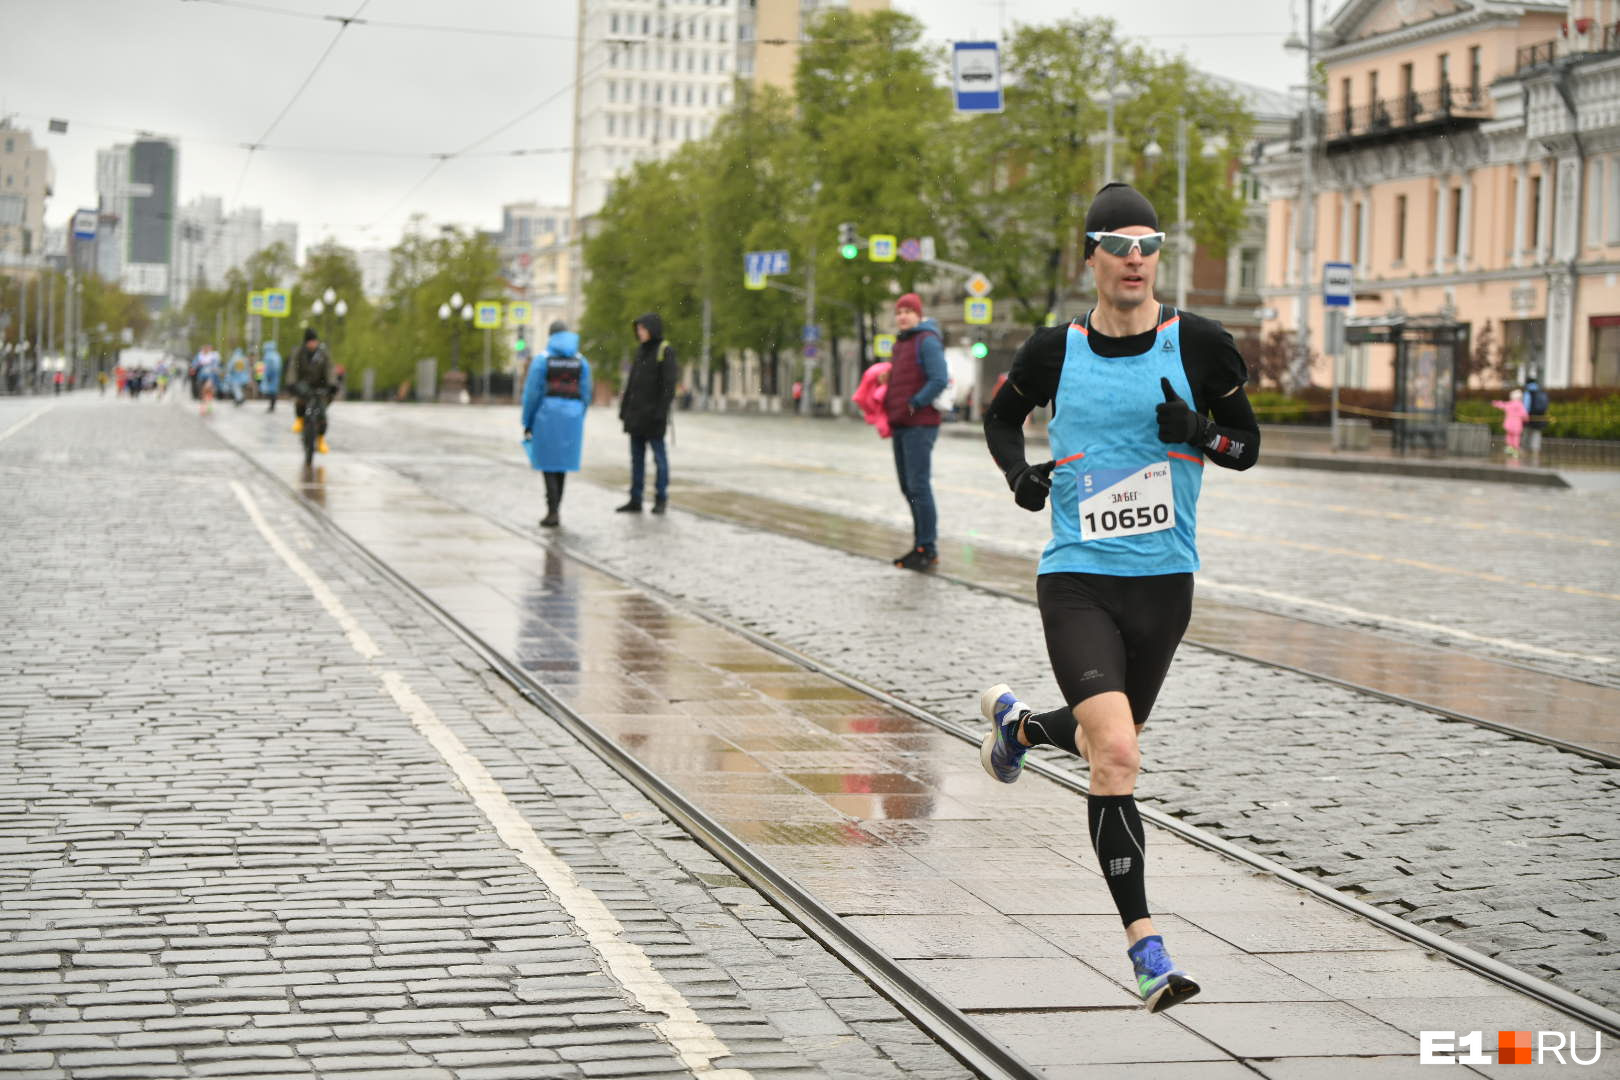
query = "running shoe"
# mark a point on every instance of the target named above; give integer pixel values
(1160, 983)
(919, 558)
(1001, 754)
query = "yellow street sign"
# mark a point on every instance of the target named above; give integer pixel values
(519, 313)
(978, 285)
(976, 312)
(487, 314)
(883, 346)
(275, 303)
(753, 281)
(882, 247)
(256, 302)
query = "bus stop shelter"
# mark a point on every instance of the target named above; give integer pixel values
(1427, 349)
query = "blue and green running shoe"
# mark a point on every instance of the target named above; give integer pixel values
(1158, 980)
(1001, 754)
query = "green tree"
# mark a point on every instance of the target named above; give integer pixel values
(425, 271)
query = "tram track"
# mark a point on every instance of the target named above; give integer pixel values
(947, 1025)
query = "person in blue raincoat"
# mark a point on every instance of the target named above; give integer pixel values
(270, 381)
(555, 396)
(238, 374)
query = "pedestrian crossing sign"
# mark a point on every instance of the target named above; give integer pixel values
(976, 311)
(882, 248)
(883, 346)
(256, 302)
(519, 313)
(275, 303)
(487, 314)
(753, 281)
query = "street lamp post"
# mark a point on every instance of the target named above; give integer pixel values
(456, 312)
(1307, 188)
(1183, 255)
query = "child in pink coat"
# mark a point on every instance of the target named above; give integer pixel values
(1513, 419)
(868, 397)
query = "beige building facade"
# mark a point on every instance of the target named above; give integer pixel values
(1467, 166)
(769, 32)
(26, 180)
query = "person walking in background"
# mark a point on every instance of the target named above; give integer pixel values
(555, 396)
(237, 375)
(917, 374)
(1131, 385)
(869, 396)
(1513, 417)
(649, 389)
(270, 380)
(1536, 405)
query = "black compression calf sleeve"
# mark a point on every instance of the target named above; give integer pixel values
(1055, 728)
(1117, 837)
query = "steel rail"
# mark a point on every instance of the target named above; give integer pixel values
(1565, 1001)
(947, 1025)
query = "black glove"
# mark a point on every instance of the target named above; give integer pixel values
(1178, 422)
(528, 434)
(1030, 484)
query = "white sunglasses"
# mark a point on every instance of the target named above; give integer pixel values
(1120, 244)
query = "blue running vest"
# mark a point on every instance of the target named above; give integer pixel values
(1105, 439)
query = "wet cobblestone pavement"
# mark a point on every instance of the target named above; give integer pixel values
(228, 851)
(1505, 846)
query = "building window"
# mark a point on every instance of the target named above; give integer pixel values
(1456, 221)
(1535, 213)
(1594, 203)
(1474, 72)
(613, 24)
(1249, 270)
(1614, 201)
(1445, 71)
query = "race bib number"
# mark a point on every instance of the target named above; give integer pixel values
(1126, 502)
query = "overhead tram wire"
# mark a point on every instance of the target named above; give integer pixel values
(343, 26)
(385, 24)
(466, 151)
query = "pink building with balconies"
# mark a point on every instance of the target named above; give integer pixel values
(1467, 165)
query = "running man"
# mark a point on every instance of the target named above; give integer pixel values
(1130, 384)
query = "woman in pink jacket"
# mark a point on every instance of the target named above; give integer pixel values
(1513, 419)
(868, 397)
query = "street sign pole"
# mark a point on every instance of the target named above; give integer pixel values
(1338, 287)
(809, 320)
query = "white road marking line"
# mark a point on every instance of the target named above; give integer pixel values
(25, 421)
(334, 607)
(693, 1040)
(1413, 624)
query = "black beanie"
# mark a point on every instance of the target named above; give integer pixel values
(311, 335)
(1118, 206)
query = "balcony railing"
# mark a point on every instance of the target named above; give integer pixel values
(1390, 116)
(1530, 56)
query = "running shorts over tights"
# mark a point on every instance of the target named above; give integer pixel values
(1105, 632)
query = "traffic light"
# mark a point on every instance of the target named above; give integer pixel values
(847, 246)
(520, 345)
(979, 350)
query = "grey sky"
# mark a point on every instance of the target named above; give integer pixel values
(354, 155)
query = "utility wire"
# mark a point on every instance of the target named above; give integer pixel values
(383, 23)
(254, 146)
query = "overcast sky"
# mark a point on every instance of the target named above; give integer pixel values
(352, 155)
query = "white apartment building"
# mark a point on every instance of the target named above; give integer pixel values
(211, 242)
(26, 179)
(650, 74)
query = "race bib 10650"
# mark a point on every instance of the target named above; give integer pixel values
(1126, 502)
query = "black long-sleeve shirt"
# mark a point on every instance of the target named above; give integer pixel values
(1215, 371)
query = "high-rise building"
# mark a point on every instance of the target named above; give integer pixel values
(26, 179)
(210, 242)
(650, 75)
(138, 185)
(769, 32)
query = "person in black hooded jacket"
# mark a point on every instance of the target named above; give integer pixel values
(649, 389)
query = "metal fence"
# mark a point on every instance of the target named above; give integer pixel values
(1405, 111)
